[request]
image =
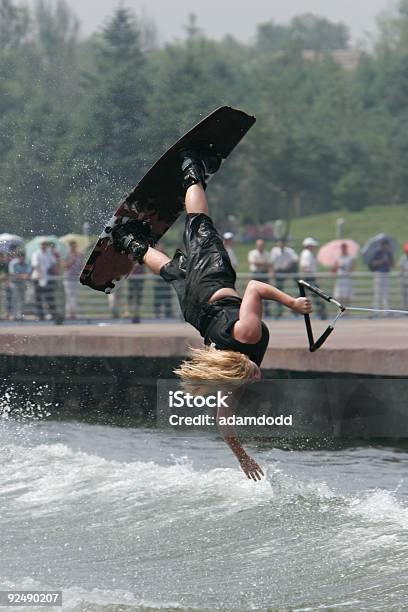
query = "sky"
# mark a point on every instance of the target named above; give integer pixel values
(236, 17)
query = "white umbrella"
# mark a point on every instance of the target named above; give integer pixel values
(8, 241)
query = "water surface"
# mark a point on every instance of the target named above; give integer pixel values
(133, 519)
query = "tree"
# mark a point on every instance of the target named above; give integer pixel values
(383, 86)
(319, 34)
(14, 25)
(188, 81)
(82, 119)
(309, 31)
(35, 169)
(112, 131)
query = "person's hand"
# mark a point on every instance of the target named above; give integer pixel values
(302, 305)
(251, 468)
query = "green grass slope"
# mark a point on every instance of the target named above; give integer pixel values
(359, 226)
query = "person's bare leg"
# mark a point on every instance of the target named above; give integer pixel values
(195, 200)
(155, 260)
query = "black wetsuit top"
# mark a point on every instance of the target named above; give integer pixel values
(216, 328)
(196, 275)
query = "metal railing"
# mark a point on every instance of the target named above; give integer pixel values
(148, 297)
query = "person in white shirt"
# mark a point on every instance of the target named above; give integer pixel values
(260, 265)
(228, 238)
(308, 268)
(343, 288)
(259, 260)
(284, 261)
(403, 266)
(308, 261)
(42, 261)
(72, 265)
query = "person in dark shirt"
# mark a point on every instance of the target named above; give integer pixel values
(381, 264)
(4, 282)
(235, 336)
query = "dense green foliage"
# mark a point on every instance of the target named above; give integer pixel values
(81, 120)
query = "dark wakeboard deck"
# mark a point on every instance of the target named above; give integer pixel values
(159, 195)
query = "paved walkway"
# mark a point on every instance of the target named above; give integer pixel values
(376, 346)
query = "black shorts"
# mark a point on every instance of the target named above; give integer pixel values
(204, 268)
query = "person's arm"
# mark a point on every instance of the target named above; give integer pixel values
(68, 262)
(233, 258)
(11, 271)
(26, 275)
(252, 259)
(248, 465)
(248, 327)
(303, 262)
(272, 260)
(54, 263)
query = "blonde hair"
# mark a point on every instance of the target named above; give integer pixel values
(210, 364)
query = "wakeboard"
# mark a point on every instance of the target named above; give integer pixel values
(159, 195)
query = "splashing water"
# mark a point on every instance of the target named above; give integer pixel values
(125, 519)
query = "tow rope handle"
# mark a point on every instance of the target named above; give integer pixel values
(316, 344)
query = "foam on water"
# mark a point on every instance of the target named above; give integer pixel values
(380, 507)
(44, 477)
(119, 530)
(96, 600)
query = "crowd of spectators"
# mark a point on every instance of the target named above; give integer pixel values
(162, 296)
(284, 264)
(38, 279)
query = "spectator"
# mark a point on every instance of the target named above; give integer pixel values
(228, 238)
(72, 265)
(260, 265)
(162, 299)
(268, 230)
(343, 288)
(54, 277)
(284, 261)
(249, 230)
(403, 265)
(381, 264)
(135, 292)
(42, 261)
(162, 296)
(4, 281)
(115, 301)
(308, 268)
(19, 274)
(12, 254)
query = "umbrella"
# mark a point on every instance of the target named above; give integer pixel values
(34, 245)
(374, 244)
(81, 239)
(330, 252)
(8, 241)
